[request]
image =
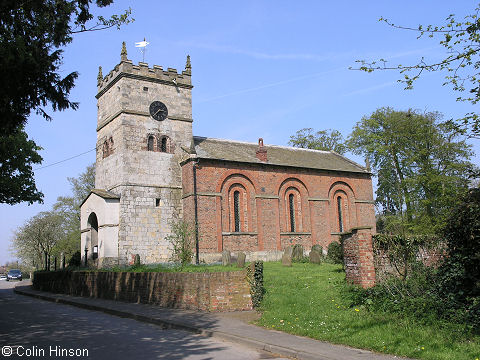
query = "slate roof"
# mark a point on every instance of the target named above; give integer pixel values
(102, 193)
(105, 194)
(227, 150)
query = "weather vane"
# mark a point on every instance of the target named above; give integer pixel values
(143, 45)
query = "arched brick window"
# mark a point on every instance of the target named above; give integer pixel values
(340, 213)
(151, 143)
(236, 210)
(291, 206)
(293, 212)
(342, 208)
(237, 205)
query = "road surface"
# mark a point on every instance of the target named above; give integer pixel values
(35, 329)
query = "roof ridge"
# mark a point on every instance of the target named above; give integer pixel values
(349, 160)
(267, 145)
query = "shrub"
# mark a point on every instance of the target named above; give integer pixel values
(255, 279)
(402, 251)
(335, 253)
(75, 260)
(460, 272)
(181, 240)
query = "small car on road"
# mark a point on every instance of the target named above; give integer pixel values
(3, 277)
(14, 274)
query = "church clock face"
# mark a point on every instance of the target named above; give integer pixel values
(158, 110)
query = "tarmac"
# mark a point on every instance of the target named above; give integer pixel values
(230, 326)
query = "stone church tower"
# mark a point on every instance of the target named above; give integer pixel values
(144, 121)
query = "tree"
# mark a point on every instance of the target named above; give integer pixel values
(461, 64)
(460, 273)
(420, 163)
(17, 155)
(68, 209)
(321, 140)
(40, 235)
(32, 34)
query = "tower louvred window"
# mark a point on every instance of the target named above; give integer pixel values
(150, 143)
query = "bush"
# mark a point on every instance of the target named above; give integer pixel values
(255, 279)
(335, 253)
(75, 260)
(182, 242)
(460, 273)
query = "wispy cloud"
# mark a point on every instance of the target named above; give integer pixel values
(371, 88)
(265, 86)
(265, 55)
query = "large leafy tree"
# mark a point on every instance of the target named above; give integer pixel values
(421, 163)
(17, 155)
(57, 231)
(327, 140)
(32, 35)
(40, 235)
(68, 208)
(460, 65)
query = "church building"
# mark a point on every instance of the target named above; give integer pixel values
(152, 171)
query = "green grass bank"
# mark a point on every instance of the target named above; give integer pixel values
(313, 300)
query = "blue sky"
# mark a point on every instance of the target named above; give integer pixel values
(260, 69)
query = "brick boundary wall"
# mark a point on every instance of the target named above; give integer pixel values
(215, 292)
(358, 256)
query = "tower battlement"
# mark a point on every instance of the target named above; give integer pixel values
(142, 71)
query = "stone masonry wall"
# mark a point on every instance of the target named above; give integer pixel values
(220, 291)
(144, 225)
(148, 182)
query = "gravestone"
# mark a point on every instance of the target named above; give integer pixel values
(288, 250)
(315, 257)
(286, 260)
(318, 248)
(226, 258)
(241, 259)
(136, 261)
(297, 253)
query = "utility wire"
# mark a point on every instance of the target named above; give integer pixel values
(61, 161)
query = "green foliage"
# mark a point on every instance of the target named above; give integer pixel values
(17, 155)
(321, 140)
(421, 165)
(255, 279)
(335, 253)
(402, 251)
(39, 235)
(75, 260)
(314, 300)
(32, 35)
(68, 208)
(55, 232)
(449, 294)
(460, 273)
(182, 243)
(461, 64)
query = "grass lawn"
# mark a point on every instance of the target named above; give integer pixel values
(309, 300)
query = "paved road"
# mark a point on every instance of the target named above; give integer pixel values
(43, 329)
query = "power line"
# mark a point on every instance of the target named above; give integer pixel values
(61, 161)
